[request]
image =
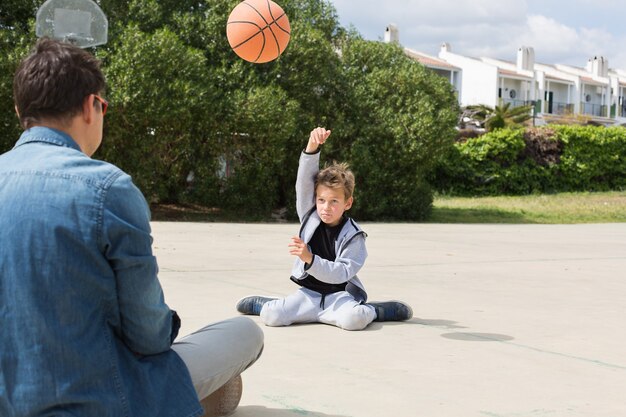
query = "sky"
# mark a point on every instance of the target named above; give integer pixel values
(561, 31)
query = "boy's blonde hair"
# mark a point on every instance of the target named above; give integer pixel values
(336, 175)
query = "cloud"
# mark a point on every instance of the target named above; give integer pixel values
(555, 42)
(462, 11)
(598, 4)
(565, 32)
(548, 37)
(408, 13)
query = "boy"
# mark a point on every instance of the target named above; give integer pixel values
(330, 250)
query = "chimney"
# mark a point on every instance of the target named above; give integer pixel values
(599, 66)
(526, 58)
(445, 47)
(391, 34)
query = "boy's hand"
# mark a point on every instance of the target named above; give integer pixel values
(317, 137)
(300, 249)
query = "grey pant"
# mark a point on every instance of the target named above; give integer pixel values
(305, 306)
(220, 351)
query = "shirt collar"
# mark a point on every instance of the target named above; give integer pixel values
(47, 135)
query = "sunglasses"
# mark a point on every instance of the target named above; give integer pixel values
(103, 102)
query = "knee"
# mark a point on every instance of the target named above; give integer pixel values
(358, 320)
(248, 344)
(252, 331)
(272, 316)
(250, 337)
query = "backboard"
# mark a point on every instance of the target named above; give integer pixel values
(80, 22)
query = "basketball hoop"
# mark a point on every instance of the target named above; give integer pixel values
(79, 22)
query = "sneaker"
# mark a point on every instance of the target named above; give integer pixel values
(252, 305)
(225, 400)
(392, 311)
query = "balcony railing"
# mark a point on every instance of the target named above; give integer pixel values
(599, 110)
(515, 103)
(555, 107)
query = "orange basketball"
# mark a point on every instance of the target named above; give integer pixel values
(258, 30)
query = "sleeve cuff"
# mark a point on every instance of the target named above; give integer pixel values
(308, 266)
(175, 326)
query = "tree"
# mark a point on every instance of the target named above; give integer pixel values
(500, 116)
(403, 118)
(17, 14)
(15, 41)
(193, 123)
(160, 108)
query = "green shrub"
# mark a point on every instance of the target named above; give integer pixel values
(488, 164)
(159, 109)
(549, 159)
(265, 117)
(14, 45)
(194, 124)
(594, 158)
(404, 118)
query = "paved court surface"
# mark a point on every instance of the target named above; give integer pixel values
(510, 320)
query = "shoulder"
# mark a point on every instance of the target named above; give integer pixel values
(103, 176)
(351, 231)
(120, 187)
(351, 226)
(114, 186)
(122, 204)
(104, 172)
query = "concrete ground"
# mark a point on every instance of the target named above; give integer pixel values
(510, 320)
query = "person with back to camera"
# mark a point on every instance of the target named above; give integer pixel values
(85, 328)
(330, 251)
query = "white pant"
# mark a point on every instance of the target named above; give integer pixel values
(219, 352)
(340, 309)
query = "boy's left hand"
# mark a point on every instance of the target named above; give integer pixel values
(300, 249)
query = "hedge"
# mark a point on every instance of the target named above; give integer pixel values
(535, 160)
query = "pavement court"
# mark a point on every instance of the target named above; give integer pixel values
(509, 320)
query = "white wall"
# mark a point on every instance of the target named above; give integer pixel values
(522, 91)
(479, 81)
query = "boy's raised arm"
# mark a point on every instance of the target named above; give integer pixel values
(307, 169)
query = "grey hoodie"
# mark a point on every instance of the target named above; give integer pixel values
(350, 243)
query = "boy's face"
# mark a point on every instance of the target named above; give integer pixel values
(331, 203)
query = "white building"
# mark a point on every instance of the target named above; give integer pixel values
(618, 86)
(439, 66)
(595, 92)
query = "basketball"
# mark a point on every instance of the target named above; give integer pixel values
(258, 30)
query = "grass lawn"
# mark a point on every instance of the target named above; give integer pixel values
(609, 207)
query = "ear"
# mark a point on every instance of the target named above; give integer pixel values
(349, 203)
(17, 112)
(88, 109)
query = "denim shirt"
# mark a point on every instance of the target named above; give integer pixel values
(84, 329)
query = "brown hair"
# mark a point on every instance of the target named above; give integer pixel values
(53, 81)
(336, 175)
